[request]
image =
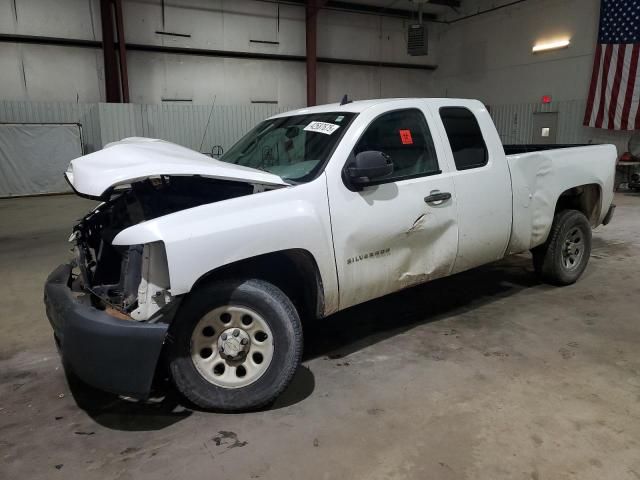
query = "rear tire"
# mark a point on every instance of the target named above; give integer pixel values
(235, 345)
(562, 259)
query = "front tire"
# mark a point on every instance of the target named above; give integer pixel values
(562, 259)
(235, 345)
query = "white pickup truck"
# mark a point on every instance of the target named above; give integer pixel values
(211, 264)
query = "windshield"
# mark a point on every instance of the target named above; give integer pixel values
(294, 148)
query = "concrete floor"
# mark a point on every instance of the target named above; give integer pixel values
(485, 375)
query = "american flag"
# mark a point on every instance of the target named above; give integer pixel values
(614, 94)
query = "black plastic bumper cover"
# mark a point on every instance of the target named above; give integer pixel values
(119, 356)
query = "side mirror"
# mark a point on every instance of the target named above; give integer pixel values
(367, 167)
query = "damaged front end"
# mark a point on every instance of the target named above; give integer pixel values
(132, 282)
(110, 308)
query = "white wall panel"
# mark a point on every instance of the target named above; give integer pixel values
(244, 21)
(141, 20)
(515, 124)
(12, 81)
(59, 18)
(118, 121)
(39, 72)
(370, 82)
(66, 73)
(489, 56)
(85, 114)
(33, 157)
(156, 76)
(291, 32)
(251, 80)
(367, 37)
(62, 73)
(7, 20)
(398, 82)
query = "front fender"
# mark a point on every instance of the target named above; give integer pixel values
(207, 237)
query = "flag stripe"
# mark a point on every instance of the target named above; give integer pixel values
(594, 114)
(633, 112)
(615, 88)
(603, 84)
(594, 84)
(636, 103)
(614, 92)
(624, 80)
(608, 90)
(626, 122)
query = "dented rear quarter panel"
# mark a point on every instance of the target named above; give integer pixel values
(539, 178)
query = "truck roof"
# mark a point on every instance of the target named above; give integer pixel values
(362, 105)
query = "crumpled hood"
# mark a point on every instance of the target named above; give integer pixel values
(138, 158)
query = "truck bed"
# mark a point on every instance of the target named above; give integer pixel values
(540, 176)
(526, 148)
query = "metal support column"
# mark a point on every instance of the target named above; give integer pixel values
(122, 51)
(312, 8)
(112, 87)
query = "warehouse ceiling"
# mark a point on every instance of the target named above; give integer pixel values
(432, 9)
(434, 6)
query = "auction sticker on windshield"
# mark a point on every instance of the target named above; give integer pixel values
(322, 127)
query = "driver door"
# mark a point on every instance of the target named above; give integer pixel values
(389, 235)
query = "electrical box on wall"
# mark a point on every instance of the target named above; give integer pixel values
(417, 39)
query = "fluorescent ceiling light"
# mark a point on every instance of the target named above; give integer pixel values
(555, 45)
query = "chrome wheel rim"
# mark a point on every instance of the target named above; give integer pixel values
(573, 249)
(232, 346)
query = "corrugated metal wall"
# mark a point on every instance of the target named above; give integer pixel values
(185, 124)
(86, 114)
(515, 124)
(107, 122)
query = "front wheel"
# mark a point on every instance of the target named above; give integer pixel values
(562, 259)
(235, 345)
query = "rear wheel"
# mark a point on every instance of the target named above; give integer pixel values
(235, 345)
(562, 259)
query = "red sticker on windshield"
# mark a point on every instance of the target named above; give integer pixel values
(405, 137)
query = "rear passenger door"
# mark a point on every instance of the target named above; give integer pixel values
(482, 183)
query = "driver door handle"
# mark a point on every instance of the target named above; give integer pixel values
(436, 196)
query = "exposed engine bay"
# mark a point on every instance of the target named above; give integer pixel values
(132, 282)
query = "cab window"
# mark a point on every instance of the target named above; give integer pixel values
(405, 137)
(465, 138)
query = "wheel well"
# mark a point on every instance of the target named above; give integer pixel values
(294, 271)
(584, 198)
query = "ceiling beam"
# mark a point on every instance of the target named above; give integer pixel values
(446, 3)
(72, 42)
(395, 12)
(371, 9)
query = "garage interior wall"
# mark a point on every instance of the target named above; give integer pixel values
(488, 56)
(199, 127)
(41, 73)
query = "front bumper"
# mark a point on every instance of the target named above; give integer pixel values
(118, 356)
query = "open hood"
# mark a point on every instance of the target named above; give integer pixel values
(133, 159)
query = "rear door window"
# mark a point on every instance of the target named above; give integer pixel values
(465, 137)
